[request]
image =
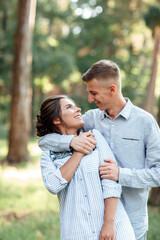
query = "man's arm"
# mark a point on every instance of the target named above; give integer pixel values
(83, 143)
(55, 142)
(108, 231)
(139, 178)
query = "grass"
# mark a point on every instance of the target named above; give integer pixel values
(29, 212)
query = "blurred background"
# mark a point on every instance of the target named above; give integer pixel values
(45, 47)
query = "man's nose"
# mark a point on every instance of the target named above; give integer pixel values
(90, 98)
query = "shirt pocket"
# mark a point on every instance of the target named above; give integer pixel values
(130, 152)
(130, 143)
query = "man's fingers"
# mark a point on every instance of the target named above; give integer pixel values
(89, 134)
(109, 161)
(103, 165)
(89, 143)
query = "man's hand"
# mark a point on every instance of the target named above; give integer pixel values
(84, 143)
(107, 232)
(109, 170)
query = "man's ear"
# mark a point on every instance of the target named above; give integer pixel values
(112, 89)
(56, 121)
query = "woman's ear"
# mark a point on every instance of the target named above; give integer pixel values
(56, 121)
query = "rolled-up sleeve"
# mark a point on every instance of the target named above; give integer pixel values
(51, 175)
(55, 142)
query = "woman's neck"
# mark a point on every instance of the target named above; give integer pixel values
(69, 131)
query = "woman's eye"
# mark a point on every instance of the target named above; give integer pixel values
(69, 106)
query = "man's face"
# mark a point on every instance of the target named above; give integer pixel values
(99, 93)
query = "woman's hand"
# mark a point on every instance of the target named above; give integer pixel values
(108, 232)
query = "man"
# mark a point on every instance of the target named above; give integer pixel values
(132, 134)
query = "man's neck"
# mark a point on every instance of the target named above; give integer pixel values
(117, 108)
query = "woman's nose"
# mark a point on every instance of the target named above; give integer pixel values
(78, 109)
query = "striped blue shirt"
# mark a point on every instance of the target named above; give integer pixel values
(82, 199)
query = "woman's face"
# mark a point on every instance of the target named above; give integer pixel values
(71, 116)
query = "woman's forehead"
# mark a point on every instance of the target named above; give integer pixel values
(66, 101)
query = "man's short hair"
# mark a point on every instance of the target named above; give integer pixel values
(103, 70)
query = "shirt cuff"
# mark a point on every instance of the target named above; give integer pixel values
(112, 192)
(125, 177)
(59, 176)
(64, 142)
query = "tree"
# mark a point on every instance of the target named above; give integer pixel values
(155, 192)
(21, 90)
(152, 19)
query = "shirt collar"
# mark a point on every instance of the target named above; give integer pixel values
(126, 111)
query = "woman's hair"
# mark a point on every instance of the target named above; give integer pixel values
(50, 110)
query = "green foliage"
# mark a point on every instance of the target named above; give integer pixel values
(50, 57)
(69, 36)
(152, 17)
(7, 29)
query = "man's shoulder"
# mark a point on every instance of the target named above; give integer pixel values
(140, 113)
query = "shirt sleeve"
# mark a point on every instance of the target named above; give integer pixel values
(150, 175)
(51, 175)
(110, 188)
(55, 142)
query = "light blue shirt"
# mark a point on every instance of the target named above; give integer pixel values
(134, 137)
(82, 199)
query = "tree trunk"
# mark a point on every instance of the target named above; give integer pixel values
(150, 97)
(21, 87)
(154, 198)
(158, 115)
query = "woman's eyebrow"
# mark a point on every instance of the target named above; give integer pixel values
(69, 104)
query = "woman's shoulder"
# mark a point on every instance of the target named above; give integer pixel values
(96, 132)
(59, 155)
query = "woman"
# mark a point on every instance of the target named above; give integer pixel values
(89, 206)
